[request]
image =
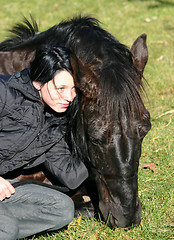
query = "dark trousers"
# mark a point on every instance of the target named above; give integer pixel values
(34, 209)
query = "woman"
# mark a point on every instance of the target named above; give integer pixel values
(33, 106)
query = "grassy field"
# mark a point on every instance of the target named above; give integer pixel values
(126, 20)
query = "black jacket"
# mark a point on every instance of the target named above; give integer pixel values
(29, 135)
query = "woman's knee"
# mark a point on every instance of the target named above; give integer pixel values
(64, 211)
(68, 209)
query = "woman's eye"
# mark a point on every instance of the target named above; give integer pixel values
(60, 89)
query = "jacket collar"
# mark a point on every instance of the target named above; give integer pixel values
(22, 82)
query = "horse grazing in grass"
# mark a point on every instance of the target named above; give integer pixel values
(112, 119)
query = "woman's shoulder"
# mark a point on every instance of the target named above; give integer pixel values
(20, 77)
(4, 78)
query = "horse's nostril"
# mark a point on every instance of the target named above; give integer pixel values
(123, 222)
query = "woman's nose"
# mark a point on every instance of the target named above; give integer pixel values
(69, 95)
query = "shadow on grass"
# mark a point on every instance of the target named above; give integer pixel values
(158, 3)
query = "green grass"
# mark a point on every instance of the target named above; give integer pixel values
(126, 20)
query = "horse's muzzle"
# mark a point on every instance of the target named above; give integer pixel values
(115, 217)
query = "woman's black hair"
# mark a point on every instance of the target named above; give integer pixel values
(48, 61)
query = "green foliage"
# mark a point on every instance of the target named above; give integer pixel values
(126, 20)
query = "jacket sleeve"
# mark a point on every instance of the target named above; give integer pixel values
(69, 170)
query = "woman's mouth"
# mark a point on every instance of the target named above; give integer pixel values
(64, 105)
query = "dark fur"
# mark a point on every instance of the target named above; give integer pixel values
(112, 120)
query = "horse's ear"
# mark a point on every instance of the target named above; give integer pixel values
(140, 53)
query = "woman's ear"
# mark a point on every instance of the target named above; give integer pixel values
(37, 85)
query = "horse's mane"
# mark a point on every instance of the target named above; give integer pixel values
(26, 33)
(19, 34)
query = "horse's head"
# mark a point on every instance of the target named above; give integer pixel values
(113, 121)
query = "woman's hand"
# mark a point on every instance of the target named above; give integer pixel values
(6, 189)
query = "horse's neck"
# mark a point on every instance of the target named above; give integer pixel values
(14, 61)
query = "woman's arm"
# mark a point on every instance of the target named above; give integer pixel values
(69, 170)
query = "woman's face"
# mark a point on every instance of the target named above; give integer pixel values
(59, 92)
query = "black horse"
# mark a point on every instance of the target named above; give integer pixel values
(112, 119)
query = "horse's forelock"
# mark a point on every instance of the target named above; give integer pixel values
(107, 73)
(106, 66)
(121, 89)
